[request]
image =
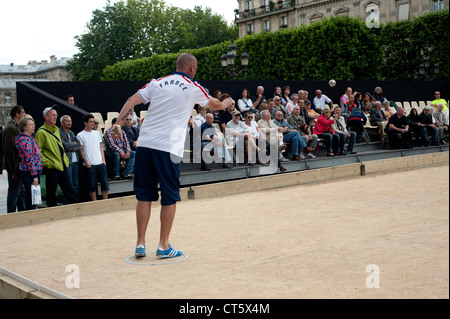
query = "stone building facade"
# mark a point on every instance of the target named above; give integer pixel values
(10, 74)
(254, 16)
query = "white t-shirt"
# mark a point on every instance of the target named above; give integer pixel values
(245, 105)
(290, 107)
(321, 103)
(199, 120)
(91, 142)
(253, 128)
(171, 99)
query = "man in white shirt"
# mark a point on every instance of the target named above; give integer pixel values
(94, 158)
(320, 102)
(236, 133)
(291, 104)
(161, 145)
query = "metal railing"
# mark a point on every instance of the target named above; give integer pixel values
(265, 9)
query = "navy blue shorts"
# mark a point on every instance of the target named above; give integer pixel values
(153, 167)
(97, 173)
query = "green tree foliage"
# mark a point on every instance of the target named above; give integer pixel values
(142, 28)
(342, 48)
(406, 43)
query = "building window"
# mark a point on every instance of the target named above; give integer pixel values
(403, 12)
(438, 5)
(267, 25)
(249, 5)
(8, 100)
(283, 22)
(250, 28)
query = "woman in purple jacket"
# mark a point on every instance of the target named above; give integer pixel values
(30, 165)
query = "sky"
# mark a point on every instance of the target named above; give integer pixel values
(36, 30)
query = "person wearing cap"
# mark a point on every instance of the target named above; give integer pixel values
(237, 132)
(54, 159)
(313, 115)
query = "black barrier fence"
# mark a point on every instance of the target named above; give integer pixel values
(106, 97)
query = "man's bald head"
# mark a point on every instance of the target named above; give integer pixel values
(187, 63)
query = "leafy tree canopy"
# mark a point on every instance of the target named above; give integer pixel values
(141, 28)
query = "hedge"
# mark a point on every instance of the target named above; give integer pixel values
(342, 48)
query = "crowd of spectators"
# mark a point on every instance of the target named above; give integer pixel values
(63, 156)
(302, 122)
(255, 123)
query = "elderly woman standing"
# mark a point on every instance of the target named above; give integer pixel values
(30, 165)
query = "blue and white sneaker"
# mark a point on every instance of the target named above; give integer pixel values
(169, 253)
(140, 251)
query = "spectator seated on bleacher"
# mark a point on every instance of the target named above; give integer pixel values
(313, 115)
(131, 132)
(226, 116)
(440, 120)
(387, 109)
(212, 142)
(416, 130)
(356, 121)
(292, 136)
(342, 135)
(201, 116)
(298, 122)
(324, 131)
(239, 135)
(428, 127)
(398, 130)
(118, 152)
(437, 100)
(378, 118)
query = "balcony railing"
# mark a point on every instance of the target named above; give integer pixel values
(272, 7)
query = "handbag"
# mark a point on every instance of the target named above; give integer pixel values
(36, 198)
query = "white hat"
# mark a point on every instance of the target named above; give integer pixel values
(48, 109)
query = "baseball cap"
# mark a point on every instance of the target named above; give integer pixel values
(236, 112)
(48, 109)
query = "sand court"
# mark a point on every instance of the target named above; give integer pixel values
(336, 239)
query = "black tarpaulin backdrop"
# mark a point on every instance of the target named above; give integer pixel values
(106, 97)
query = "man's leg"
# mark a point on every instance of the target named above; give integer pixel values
(67, 188)
(143, 211)
(51, 183)
(167, 217)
